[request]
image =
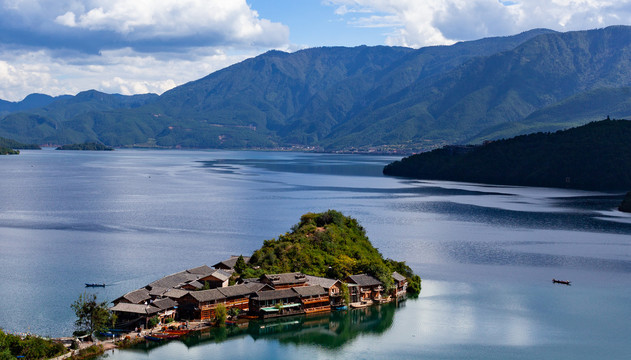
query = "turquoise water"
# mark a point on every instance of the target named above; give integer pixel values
(487, 254)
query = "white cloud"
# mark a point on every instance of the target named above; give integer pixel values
(121, 71)
(121, 46)
(227, 21)
(430, 22)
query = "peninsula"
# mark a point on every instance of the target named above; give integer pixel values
(595, 156)
(325, 263)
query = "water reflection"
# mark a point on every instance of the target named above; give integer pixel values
(331, 331)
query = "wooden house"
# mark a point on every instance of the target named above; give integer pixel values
(140, 296)
(364, 288)
(333, 287)
(273, 303)
(285, 280)
(314, 298)
(400, 285)
(132, 315)
(202, 304)
(183, 279)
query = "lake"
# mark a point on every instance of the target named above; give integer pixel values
(486, 254)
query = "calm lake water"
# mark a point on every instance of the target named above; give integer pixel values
(486, 254)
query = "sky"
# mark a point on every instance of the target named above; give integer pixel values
(129, 47)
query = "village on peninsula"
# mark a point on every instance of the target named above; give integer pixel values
(247, 287)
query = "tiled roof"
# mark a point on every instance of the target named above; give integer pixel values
(136, 296)
(196, 284)
(172, 281)
(230, 263)
(398, 277)
(158, 291)
(175, 293)
(219, 274)
(276, 294)
(207, 295)
(135, 308)
(364, 280)
(201, 270)
(285, 278)
(236, 290)
(164, 304)
(314, 290)
(180, 278)
(324, 282)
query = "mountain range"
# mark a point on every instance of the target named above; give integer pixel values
(358, 99)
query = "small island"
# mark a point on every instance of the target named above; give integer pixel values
(86, 147)
(8, 151)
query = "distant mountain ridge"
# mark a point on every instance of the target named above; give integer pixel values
(362, 98)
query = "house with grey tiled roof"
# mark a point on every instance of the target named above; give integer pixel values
(364, 289)
(133, 315)
(202, 304)
(285, 280)
(140, 296)
(400, 284)
(314, 298)
(333, 287)
(273, 303)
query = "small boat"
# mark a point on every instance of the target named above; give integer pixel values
(153, 338)
(165, 335)
(178, 332)
(94, 285)
(564, 282)
(340, 308)
(359, 305)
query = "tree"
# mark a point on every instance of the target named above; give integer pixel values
(345, 294)
(91, 315)
(240, 265)
(221, 315)
(234, 311)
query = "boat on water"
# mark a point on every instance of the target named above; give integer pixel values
(564, 282)
(153, 338)
(94, 285)
(340, 308)
(166, 335)
(178, 332)
(363, 304)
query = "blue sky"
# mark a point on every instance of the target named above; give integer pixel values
(120, 46)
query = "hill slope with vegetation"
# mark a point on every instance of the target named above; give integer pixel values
(326, 244)
(596, 156)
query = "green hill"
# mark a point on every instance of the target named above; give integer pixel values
(327, 244)
(596, 156)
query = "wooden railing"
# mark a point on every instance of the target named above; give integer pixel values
(227, 304)
(316, 300)
(318, 308)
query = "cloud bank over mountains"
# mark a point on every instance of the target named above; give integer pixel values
(128, 47)
(438, 22)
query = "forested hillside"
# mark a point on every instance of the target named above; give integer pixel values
(596, 156)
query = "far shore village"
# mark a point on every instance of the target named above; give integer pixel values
(194, 294)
